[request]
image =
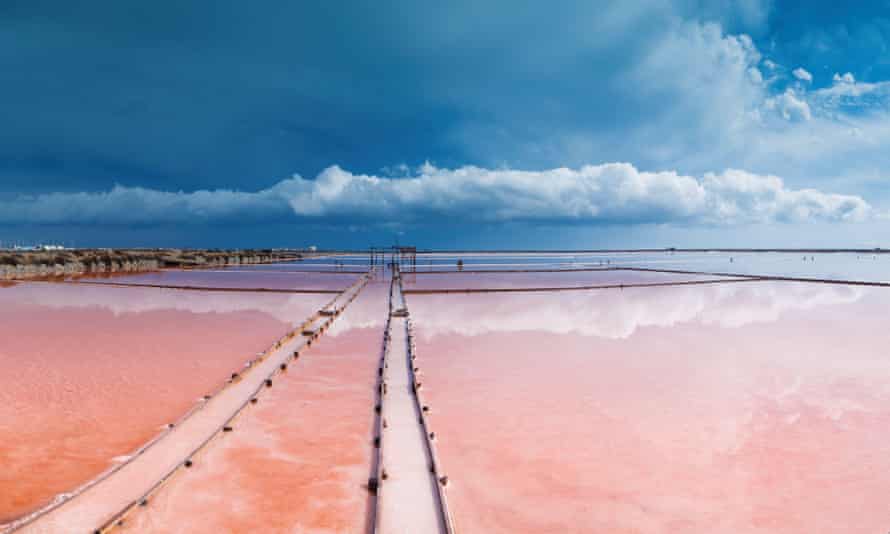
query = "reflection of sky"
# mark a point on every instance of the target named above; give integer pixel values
(236, 278)
(492, 280)
(836, 266)
(288, 308)
(613, 313)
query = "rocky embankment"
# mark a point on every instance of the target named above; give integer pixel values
(41, 264)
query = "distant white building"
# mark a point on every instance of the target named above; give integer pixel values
(37, 247)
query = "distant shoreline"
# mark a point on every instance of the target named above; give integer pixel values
(18, 264)
(631, 250)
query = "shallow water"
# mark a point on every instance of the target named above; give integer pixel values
(866, 267)
(90, 373)
(328, 264)
(862, 266)
(508, 280)
(299, 459)
(236, 279)
(756, 407)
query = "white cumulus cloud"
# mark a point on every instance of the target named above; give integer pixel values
(755, 75)
(802, 74)
(791, 106)
(612, 193)
(845, 78)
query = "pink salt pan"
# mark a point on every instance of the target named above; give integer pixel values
(745, 408)
(235, 279)
(495, 280)
(85, 381)
(299, 459)
(103, 501)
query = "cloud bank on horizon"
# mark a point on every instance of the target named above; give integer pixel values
(615, 193)
(728, 113)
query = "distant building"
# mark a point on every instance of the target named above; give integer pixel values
(33, 248)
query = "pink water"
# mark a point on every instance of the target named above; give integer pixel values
(298, 460)
(90, 373)
(743, 408)
(565, 279)
(236, 278)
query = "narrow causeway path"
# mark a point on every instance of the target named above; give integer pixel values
(407, 471)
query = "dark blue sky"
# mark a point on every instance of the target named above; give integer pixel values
(183, 123)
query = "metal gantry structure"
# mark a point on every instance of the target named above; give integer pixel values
(403, 257)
